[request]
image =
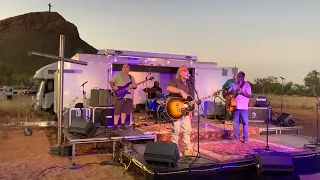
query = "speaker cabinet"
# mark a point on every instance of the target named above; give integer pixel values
(274, 164)
(158, 153)
(82, 128)
(286, 120)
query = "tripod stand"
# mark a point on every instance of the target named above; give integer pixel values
(315, 144)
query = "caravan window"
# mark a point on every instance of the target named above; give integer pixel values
(49, 86)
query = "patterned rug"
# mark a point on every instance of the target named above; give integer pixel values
(209, 129)
(225, 150)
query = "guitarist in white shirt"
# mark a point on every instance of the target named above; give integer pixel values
(123, 106)
(242, 103)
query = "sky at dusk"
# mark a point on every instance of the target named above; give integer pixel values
(262, 38)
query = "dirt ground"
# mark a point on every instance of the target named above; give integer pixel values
(26, 157)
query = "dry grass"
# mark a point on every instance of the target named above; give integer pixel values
(292, 102)
(20, 107)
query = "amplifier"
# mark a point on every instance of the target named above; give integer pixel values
(105, 116)
(100, 97)
(259, 114)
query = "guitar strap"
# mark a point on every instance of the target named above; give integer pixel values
(130, 77)
(240, 88)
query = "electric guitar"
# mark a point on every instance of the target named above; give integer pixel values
(176, 107)
(231, 101)
(124, 90)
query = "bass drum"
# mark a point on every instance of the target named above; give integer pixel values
(162, 115)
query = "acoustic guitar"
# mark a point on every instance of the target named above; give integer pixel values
(176, 107)
(124, 90)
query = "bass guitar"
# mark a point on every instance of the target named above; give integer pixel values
(124, 90)
(176, 107)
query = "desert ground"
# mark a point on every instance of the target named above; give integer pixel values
(27, 157)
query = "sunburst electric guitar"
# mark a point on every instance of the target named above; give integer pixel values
(231, 101)
(124, 90)
(177, 107)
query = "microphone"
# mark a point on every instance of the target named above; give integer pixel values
(256, 80)
(84, 83)
(190, 77)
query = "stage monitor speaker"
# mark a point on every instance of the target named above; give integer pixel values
(82, 128)
(286, 120)
(274, 164)
(161, 153)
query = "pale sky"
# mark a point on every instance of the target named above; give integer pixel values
(262, 38)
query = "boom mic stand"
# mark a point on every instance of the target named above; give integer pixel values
(315, 144)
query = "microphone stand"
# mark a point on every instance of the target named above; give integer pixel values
(198, 123)
(267, 148)
(147, 95)
(315, 144)
(281, 101)
(84, 98)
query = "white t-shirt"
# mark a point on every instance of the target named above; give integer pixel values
(242, 102)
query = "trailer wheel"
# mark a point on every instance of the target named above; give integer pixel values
(27, 132)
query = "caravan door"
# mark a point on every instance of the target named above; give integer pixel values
(210, 78)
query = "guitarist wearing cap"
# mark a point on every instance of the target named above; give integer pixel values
(180, 87)
(242, 92)
(123, 106)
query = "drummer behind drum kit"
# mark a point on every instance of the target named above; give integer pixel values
(155, 105)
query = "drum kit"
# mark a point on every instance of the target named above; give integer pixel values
(155, 104)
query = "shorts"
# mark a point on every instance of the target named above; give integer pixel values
(124, 105)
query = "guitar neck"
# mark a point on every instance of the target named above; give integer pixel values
(142, 82)
(207, 97)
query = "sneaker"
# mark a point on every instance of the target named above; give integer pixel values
(123, 128)
(245, 141)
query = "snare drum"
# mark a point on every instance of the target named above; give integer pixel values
(151, 105)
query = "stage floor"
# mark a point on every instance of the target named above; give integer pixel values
(234, 157)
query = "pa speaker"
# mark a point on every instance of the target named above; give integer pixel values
(82, 128)
(286, 120)
(274, 164)
(161, 153)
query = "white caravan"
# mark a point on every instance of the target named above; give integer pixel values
(102, 66)
(45, 97)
